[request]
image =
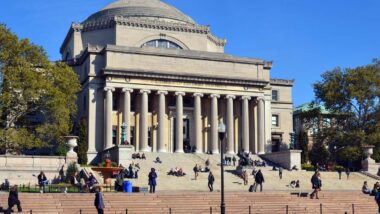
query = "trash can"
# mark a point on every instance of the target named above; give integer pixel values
(127, 186)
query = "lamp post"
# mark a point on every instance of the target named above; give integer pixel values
(222, 131)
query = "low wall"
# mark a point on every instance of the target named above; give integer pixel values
(24, 169)
(286, 159)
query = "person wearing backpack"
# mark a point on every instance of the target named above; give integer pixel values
(316, 184)
(195, 169)
(377, 199)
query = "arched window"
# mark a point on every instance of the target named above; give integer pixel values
(161, 43)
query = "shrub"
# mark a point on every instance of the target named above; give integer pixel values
(336, 167)
(71, 169)
(308, 167)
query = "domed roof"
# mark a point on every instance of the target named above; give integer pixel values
(140, 8)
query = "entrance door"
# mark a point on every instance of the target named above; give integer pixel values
(186, 135)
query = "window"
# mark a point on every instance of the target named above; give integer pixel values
(274, 95)
(114, 135)
(161, 43)
(132, 136)
(150, 132)
(275, 120)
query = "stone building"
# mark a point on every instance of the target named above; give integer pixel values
(143, 64)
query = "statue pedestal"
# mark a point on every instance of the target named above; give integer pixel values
(121, 154)
(368, 164)
(71, 156)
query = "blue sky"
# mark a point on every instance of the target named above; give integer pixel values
(303, 38)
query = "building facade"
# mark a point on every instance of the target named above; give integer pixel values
(144, 64)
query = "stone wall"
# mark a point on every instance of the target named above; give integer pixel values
(24, 169)
(286, 159)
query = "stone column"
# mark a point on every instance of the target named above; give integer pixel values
(161, 121)
(214, 123)
(261, 126)
(108, 117)
(230, 124)
(127, 113)
(198, 122)
(179, 123)
(144, 121)
(245, 123)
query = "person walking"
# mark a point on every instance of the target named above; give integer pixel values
(62, 174)
(42, 181)
(245, 177)
(316, 183)
(377, 199)
(280, 172)
(99, 202)
(195, 169)
(340, 173)
(13, 200)
(348, 173)
(211, 180)
(259, 180)
(152, 180)
(234, 160)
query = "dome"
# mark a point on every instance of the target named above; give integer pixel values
(142, 9)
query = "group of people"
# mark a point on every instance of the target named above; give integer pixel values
(374, 192)
(81, 184)
(177, 172)
(347, 171)
(138, 156)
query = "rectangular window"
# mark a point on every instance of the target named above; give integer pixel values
(274, 95)
(114, 135)
(275, 120)
(132, 136)
(150, 132)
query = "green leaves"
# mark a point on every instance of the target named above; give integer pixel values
(353, 92)
(38, 97)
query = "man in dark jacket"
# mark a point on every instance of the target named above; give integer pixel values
(13, 200)
(259, 179)
(211, 180)
(42, 181)
(152, 180)
(99, 202)
(316, 183)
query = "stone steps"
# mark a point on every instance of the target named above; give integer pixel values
(198, 202)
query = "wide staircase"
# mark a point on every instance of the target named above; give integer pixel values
(233, 182)
(330, 202)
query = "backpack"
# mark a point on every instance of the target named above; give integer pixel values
(377, 197)
(250, 188)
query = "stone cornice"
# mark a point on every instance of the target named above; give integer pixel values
(160, 25)
(75, 27)
(216, 40)
(281, 82)
(179, 77)
(189, 54)
(145, 23)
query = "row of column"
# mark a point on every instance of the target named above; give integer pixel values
(214, 147)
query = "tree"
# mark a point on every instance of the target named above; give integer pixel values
(82, 142)
(38, 97)
(352, 94)
(303, 142)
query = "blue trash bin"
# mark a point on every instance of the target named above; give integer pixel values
(127, 186)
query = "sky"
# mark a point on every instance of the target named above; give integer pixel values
(303, 38)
